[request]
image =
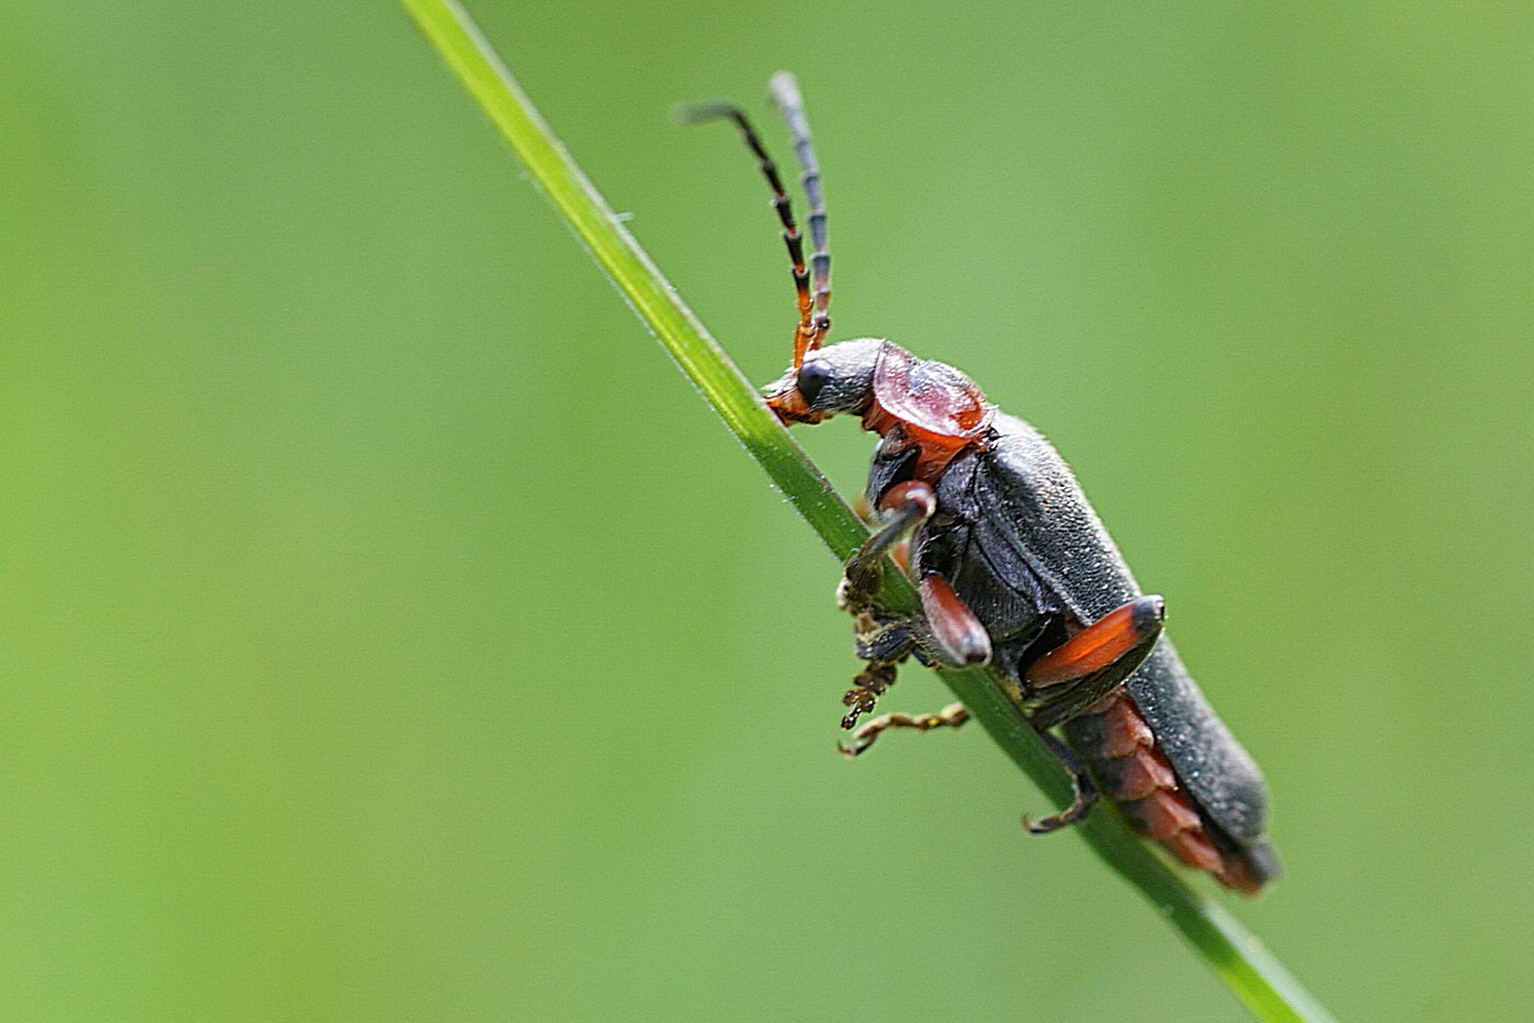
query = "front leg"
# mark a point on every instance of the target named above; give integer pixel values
(945, 633)
(906, 506)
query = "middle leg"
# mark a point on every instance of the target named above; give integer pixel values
(951, 716)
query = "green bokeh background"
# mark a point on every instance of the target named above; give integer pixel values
(388, 632)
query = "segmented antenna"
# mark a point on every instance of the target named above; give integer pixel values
(784, 89)
(814, 316)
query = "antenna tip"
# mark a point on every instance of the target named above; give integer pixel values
(784, 88)
(706, 110)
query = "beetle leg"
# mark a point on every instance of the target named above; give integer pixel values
(886, 640)
(1087, 667)
(883, 640)
(957, 635)
(945, 635)
(868, 686)
(951, 716)
(900, 554)
(1092, 663)
(1084, 792)
(906, 506)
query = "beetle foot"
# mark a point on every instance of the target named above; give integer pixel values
(1083, 791)
(1081, 805)
(951, 716)
(858, 591)
(868, 686)
(860, 602)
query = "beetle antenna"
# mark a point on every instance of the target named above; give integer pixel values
(784, 89)
(805, 338)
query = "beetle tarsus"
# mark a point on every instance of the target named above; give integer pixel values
(869, 684)
(951, 716)
(1084, 793)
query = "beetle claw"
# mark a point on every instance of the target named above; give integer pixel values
(1083, 791)
(1073, 814)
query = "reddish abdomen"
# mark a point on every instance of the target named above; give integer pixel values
(1121, 751)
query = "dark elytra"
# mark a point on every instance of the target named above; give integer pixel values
(1015, 567)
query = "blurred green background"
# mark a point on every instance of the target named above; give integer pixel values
(389, 632)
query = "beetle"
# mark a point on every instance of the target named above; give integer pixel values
(1014, 569)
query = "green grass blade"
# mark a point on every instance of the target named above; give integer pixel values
(652, 298)
(1234, 954)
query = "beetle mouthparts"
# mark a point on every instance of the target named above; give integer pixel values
(783, 398)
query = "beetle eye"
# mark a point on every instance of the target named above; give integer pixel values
(812, 377)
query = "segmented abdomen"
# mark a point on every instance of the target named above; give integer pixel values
(1120, 749)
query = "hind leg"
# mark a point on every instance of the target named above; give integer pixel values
(1083, 791)
(1085, 668)
(1075, 676)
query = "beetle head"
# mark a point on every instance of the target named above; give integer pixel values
(929, 404)
(830, 381)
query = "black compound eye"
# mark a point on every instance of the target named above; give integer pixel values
(812, 377)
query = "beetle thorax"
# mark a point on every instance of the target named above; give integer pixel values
(936, 407)
(931, 404)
